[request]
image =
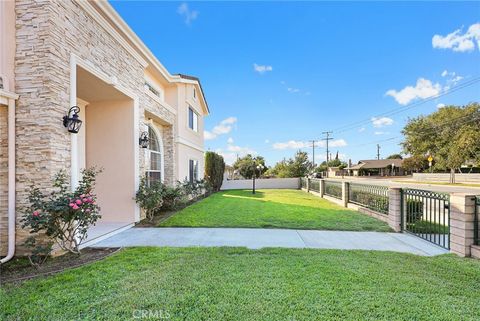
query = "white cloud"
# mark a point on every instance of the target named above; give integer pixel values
(208, 135)
(232, 152)
(261, 69)
(224, 127)
(381, 121)
(293, 144)
(444, 73)
(381, 133)
(267, 141)
(361, 129)
(293, 90)
(423, 89)
(230, 140)
(188, 14)
(457, 41)
(440, 105)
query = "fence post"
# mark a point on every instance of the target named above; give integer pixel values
(345, 187)
(462, 215)
(322, 187)
(308, 184)
(395, 208)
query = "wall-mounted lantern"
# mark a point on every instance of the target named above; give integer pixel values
(71, 121)
(143, 140)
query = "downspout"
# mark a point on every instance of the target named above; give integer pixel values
(11, 179)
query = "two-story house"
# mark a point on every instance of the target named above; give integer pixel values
(79, 59)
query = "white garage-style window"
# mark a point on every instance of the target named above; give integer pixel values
(154, 172)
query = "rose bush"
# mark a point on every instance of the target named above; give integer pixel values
(62, 215)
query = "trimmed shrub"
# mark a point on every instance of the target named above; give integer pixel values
(214, 169)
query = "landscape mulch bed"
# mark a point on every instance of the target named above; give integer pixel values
(19, 269)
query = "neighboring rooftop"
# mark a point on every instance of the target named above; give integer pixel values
(377, 163)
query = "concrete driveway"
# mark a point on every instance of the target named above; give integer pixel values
(261, 238)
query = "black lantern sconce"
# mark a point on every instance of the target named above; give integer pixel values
(143, 140)
(71, 120)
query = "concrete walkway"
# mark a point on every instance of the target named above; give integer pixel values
(260, 238)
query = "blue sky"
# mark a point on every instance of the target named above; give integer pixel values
(278, 74)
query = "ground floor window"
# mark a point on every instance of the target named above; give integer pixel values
(154, 172)
(193, 170)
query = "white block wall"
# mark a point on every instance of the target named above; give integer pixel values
(270, 183)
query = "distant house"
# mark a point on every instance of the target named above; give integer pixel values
(377, 167)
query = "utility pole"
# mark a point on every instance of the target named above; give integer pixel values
(313, 153)
(378, 151)
(327, 139)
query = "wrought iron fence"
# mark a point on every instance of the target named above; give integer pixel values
(374, 197)
(476, 227)
(333, 189)
(315, 185)
(303, 182)
(426, 214)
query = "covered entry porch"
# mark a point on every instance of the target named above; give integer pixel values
(108, 140)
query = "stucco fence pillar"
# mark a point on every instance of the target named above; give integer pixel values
(308, 184)
(322, 187)
(395, 208)
(462, 216)
(345, 188)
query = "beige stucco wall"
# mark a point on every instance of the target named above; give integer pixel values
(185, 153)
(189, 143)
(7, 43)
(107, 148)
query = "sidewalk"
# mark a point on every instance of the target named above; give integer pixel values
(260, 238)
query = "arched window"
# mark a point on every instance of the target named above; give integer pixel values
(154, 171)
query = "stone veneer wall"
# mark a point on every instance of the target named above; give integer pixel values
(47, 33)
(3, 179)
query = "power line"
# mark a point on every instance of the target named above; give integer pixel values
(356, 124)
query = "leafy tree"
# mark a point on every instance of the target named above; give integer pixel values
(451, 135)
(415, 163)
(395, 156)
(214, 169)
(298, 166)
(247, 166)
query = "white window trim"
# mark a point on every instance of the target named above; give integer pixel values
(196, 131)
(152, 125)
(198, 169)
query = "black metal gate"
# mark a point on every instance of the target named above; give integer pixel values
(426, 214)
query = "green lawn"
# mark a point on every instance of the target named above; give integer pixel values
(241, 284)
(272, 209)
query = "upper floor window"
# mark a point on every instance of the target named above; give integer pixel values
(192, 119)
(154, 90)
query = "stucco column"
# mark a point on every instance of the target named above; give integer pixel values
(322, 187)
(462, 213)
(345, 187)
(395, 208)
(308, 184)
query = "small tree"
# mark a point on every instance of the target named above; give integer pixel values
(61, 215)
(247, 166)
(395, 156)
(149, 197)
(214, 170)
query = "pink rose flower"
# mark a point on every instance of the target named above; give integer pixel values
(75, 207)
(88, 210)
(36, 213)
(79, 202)
(71, 204)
